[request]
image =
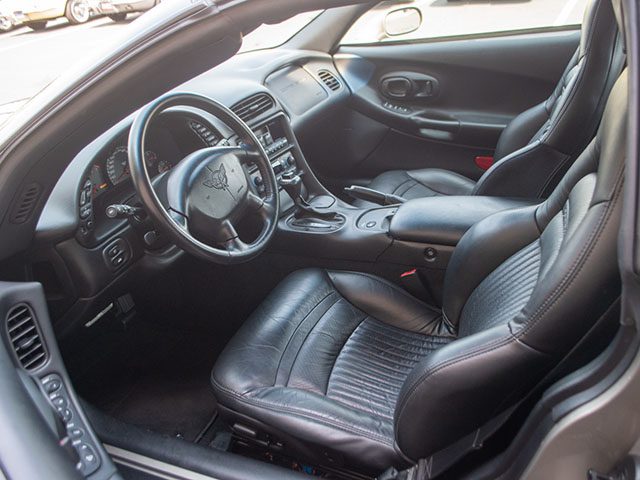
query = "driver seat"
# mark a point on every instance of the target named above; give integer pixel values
(345, 366)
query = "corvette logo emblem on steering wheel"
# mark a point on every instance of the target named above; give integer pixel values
(217, 179)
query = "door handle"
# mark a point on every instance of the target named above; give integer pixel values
(397, 87)
(409, 85)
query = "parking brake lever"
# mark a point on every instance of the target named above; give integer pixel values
(373, 196)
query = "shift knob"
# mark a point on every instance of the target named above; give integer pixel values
(292, 184)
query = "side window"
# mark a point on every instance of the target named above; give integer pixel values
(394, 20)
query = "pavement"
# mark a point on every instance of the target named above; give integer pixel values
(31, 60)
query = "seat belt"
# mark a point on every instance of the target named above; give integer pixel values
(430, 467)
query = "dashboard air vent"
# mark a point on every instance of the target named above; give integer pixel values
(253, 106)
(329, 79)
(26, 203)
(25, 337)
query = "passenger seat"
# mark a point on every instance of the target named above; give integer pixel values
(539, 145)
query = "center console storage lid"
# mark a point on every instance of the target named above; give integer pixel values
(444, 220)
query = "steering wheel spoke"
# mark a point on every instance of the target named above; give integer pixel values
(235, 245)
(255, 202)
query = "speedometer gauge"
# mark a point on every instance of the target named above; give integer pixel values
(118, 165)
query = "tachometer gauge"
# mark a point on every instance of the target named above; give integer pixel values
(118, 165)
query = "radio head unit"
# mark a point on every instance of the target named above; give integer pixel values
(272, 136)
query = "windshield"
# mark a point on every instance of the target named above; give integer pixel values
(41, 40)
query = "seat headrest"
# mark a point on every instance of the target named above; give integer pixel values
(599, 18)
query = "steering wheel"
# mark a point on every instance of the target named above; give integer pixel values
(200, 201)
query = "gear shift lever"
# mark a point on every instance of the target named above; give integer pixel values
(292, 184)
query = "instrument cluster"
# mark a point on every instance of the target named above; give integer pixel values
(114, 169)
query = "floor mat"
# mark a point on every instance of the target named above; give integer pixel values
(149, 375)
(180, 407)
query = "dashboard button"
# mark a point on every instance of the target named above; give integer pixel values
(85, 212)
(59, 401)
(88, 458)
(52, 385)
(65, 414)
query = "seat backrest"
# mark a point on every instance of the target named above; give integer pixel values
(539, 145)
(522, 288)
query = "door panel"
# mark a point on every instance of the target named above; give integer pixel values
(439, 104)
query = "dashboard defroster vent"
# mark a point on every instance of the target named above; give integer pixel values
(253, 107)
(25, 337)
(329, 80)
(26, 203)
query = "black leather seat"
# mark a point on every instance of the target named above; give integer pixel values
(538, 146)
(348, 365)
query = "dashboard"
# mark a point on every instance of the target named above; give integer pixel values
(87, 257)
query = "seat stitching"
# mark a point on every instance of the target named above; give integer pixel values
(284, 350)
(503, 341)
(304, 341)
(576, 265)
(335, 360)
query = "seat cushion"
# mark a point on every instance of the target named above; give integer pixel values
(429, 182)
(324, 358)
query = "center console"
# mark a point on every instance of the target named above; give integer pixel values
(419, 233)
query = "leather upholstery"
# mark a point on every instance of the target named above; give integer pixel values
(325, 356)
(539, 145)
(347, 365)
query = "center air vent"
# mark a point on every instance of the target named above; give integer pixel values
(25, 337)
(253, 107)
(329, 79)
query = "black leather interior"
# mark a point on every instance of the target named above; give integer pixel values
(347, 365)
(444, 220)
(538, 146)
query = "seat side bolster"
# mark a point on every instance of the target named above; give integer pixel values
(528, 172)
(461, 387)
(481, 250)
(521, 130)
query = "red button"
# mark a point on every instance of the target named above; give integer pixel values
(484, 162)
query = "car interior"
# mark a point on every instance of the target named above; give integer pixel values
(326, 259)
